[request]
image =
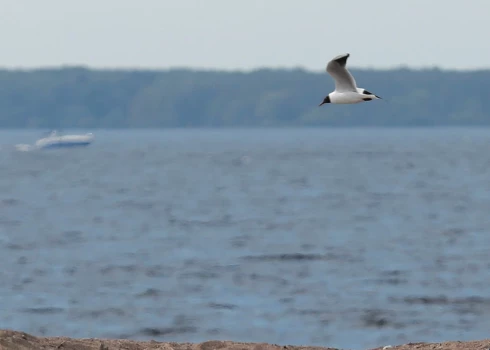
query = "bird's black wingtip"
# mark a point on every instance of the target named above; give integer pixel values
(342, 59)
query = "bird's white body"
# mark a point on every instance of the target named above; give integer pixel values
(349, 97)
(346, 90)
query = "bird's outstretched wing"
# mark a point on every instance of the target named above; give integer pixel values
(344, 81)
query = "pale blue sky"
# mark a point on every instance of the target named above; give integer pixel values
(232, 34)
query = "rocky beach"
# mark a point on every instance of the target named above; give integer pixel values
(15, 340)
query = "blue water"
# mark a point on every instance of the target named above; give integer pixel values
(349, 238)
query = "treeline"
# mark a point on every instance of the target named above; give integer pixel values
(84, 98)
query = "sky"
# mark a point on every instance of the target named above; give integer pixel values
(245, 35)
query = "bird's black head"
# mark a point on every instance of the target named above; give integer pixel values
(325, 100)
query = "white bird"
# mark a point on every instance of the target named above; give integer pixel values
(346, 90)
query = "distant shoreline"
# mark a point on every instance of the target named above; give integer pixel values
(15, 340)
(78, 97)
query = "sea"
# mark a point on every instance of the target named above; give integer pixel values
(342, 237)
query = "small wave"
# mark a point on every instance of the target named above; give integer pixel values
(376, 318)
(222, 306)
(150, 292)
(43, 310)
(294, 257)
(442, 300)
(158, 332)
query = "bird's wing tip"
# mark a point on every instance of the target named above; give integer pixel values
(342, 55)
(340, 59)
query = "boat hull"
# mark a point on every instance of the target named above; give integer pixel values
(65, 145)
(68, 141)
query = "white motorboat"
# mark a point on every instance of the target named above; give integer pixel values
(54, 140)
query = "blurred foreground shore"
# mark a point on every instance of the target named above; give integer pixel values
(14, 340)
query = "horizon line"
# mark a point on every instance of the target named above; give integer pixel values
(230, 70)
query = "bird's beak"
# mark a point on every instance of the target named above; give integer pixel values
(321, 104)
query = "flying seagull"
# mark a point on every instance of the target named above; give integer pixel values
(346, 90)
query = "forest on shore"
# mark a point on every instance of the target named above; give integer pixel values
(77, 97)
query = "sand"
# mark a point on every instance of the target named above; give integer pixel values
(13, 340)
